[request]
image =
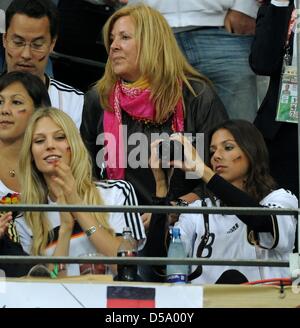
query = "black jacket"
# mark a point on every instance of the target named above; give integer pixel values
(266, 58)
(268, 49)
(201, 114)
(8, 247)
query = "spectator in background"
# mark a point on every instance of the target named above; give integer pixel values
(215, 37)
(272, 41)
(3, 6)
(148, 87)
(20, 95)
(31, 33)
(238, 175)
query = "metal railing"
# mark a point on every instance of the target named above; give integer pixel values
(149, 209)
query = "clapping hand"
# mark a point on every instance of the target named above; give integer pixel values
(4, 222)
(62, 186)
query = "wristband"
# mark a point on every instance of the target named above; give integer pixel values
(54, 272)
(181, 202)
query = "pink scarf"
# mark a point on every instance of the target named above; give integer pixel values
(136, 102)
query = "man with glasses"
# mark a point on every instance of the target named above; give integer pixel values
(30, 37)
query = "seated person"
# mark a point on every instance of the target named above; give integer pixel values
(20, 95)
(55, 168)
(238, 175)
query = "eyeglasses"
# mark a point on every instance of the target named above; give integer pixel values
(39, 46)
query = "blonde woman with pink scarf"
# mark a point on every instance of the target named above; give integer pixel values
(148, 87)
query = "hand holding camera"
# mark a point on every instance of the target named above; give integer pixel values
(170, 150)
(183, 155)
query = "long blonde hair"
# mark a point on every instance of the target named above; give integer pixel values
(34, 187)
(161, 62)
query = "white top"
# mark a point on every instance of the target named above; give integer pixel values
(4, 190)
(280, 3)
(113, 192)
(181, 13)
(66, 98)
(229, 239)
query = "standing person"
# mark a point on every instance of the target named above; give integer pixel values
(55, 169)
(272, 41)
(238, 175)
(31, 33)
(148, 87)
(20, 95)
(215, 37)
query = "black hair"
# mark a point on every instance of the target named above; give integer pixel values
(32, 84)
(34, 9)
(259, 182)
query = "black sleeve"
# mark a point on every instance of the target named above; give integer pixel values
(233, 196)
(268, 46)
(156, 236)
(8, 247)
(91, 126)
(157, 239)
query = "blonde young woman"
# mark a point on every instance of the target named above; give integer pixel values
(55, 168)
(148, 87)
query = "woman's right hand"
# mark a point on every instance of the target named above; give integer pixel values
(4, 222)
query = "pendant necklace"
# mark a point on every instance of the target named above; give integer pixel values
(12, 173)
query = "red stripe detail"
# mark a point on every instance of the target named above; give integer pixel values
(127, 303)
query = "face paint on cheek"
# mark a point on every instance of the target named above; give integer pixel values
(22, 111)
(41, 59)
(237, 158)
(9, 55)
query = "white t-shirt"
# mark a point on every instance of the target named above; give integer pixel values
(113, 192)
(66, 98)
(4, 190)
(181, 13)
(229, 240)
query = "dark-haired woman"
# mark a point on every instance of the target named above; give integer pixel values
(20, 95)
(238, 175)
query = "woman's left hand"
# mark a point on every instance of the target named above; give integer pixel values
(4, 222)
